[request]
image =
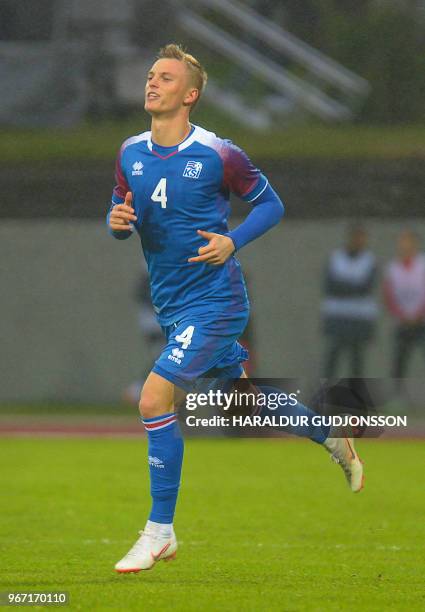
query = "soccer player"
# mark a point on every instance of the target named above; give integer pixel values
(172, 188)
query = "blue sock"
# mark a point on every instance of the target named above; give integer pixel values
(316, 433)
(165, 450)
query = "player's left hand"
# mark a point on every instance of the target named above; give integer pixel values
(217, 251)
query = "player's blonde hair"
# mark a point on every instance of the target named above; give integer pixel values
(197, 72)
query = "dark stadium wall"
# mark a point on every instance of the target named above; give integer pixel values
(313, 188)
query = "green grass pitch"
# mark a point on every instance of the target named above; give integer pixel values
(262, 524)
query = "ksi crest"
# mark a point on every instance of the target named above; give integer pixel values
(193, 169)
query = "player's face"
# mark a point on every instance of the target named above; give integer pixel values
(168, 87)
(407, 245)
(357, 240)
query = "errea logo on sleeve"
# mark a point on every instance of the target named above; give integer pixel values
(137, 169)
(193, 169)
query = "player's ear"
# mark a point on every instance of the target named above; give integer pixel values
(191, 97)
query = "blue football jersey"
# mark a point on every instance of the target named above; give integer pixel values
(176, 191)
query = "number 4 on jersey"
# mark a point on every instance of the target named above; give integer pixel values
(160, 193)
(186, 336)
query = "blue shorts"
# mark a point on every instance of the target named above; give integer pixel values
(199, 343)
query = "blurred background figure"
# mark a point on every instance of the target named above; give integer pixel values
(404, 294)
(151, 334)
(349, 309)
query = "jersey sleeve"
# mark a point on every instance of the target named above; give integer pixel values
(267, 211)
(240, 175)
(121, 185)
(118, 195)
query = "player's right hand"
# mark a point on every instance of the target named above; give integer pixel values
(122, 214)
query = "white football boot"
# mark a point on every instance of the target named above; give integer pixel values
(343, 452)
(149, 548)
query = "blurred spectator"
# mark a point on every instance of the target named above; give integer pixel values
(152, 336)
(349, 309)
(404, 294)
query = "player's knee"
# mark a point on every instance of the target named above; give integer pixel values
(149, 405)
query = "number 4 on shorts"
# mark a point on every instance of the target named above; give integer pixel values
(186, 336)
